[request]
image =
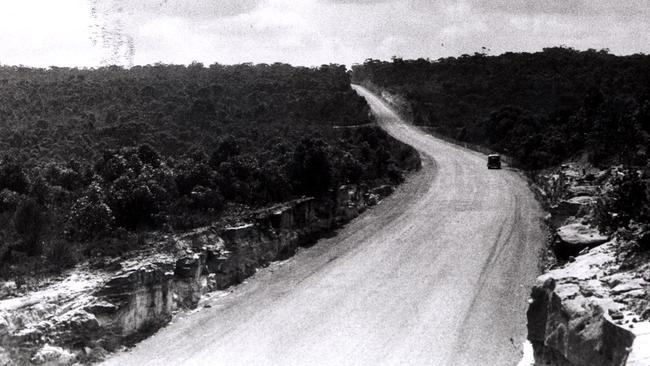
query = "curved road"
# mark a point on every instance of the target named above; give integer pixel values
(437, 274)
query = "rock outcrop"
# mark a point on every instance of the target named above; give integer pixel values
(580, 314)
(135, 299)
(78, 320)
(591, 310)
(568, 209)
(574, 238)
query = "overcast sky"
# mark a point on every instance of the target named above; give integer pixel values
(307, 32)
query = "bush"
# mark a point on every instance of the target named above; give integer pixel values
(132, 202)
(12, 176)
(644, 237)
(90, 215)
(9, 200)
(628, 200)
(61, 253)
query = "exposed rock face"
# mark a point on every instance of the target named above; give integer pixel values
(78, 321)
(136, 298)
(350, 201)
(187, 280)
(591, 311)
(574, 238)
(579, 316)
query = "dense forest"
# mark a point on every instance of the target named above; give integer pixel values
(540, 108)
(90, 154)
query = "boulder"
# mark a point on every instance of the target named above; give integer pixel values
(573, 238)
(53, 356)
(75, 327)
(575, 317)
(4, 325)
(582, 201)
(372, 199)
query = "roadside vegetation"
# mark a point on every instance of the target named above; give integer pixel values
(541, 109)
(92, 158)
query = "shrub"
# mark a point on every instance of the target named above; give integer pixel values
(111, 166)
(643, 238)
(61, 253)
(628, 199)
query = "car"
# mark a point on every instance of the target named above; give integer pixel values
(494, 161)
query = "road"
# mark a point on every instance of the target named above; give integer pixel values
(438, 274)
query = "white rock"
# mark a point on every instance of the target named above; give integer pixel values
(53, 356)
(579, 234)
(627, 287)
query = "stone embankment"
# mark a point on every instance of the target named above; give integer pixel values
(92, 312)
(591, 308)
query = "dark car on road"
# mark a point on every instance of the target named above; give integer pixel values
(494, 161)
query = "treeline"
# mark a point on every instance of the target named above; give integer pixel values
(540, 108)
(86, 155)
(64, 113)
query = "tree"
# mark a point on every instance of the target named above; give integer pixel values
(90, 215)
(206, 199)
(227, 148)
(629, 199)
(148, 155)
(131, 202)
(30, 223)
(12, 176)
(311, 168)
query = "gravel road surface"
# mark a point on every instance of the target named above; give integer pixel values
(437, 274)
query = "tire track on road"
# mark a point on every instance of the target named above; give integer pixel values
(424, 278)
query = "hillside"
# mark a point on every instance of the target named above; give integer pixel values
(540, 108)
(90, 159)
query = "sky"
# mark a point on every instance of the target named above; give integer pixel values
(92, 33)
